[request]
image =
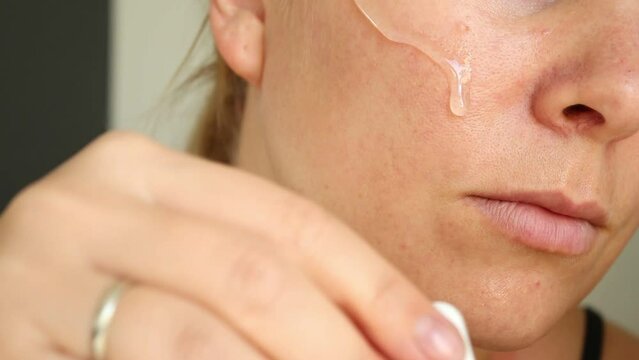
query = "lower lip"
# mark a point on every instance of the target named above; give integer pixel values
(539, 228)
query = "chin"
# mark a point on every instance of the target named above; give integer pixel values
(510, 296)
(509, 330)
(507, 309)
(507, 306)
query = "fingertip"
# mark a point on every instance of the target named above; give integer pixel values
(452, 314)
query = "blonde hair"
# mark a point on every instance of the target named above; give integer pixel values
(216, 132)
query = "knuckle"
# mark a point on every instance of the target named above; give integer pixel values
(193, 341)
(123, 161)
(182, 328)
(121, 139)
(302, 223)
(119, 148)
(257, 279)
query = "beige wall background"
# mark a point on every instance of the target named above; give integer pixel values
(151, 38)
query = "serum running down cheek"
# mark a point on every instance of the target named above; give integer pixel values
(404, 22)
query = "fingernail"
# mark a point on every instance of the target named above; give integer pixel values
(455, 317)
(438, 340)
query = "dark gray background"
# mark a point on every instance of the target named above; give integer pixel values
(53, 84)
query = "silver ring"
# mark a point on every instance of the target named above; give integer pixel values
(103, 319)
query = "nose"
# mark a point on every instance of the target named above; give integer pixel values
(595, 93)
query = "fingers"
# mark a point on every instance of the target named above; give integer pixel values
(392, 312)
(232, 276)
(22, 336)
(52, 318)
(172, 253)
(152, 324)
(238, 278)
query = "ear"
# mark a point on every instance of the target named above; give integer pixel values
(238, 31)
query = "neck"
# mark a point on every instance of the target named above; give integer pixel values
(251, 154)
(563, 341)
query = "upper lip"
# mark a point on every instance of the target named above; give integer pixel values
(559, 203)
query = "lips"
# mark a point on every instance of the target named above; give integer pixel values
(549, 221)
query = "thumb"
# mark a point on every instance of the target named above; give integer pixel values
(453, 315)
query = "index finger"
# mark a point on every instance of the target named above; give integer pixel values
(389, 309)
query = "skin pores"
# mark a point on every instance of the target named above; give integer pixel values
(361, 125)
(403, 22)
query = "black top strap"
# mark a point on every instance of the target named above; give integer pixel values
(593, 339)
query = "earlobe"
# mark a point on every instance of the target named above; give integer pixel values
(238, 31)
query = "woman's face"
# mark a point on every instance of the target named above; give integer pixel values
(362, 125)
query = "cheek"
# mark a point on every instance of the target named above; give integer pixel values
(359, 103)
(374, 105)
(624, 163)
(374, 141)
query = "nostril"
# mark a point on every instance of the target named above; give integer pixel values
(575, 110)
(583, 114)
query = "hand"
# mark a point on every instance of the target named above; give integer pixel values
(225, 265)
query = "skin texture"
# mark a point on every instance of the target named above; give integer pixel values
(210, 279)
(228, 265)
(360, 125)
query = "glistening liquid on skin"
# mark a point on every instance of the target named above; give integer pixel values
(402, 21)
